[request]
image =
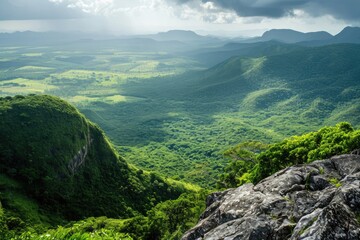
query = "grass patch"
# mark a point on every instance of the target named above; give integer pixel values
(24, 86)
(115, 99)
(32, 54)
(33, 68)
(335, 182)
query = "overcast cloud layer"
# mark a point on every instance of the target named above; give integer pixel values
(36, 9)
(343, 9)
(162, 14)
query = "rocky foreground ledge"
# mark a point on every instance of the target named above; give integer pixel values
(320, 200)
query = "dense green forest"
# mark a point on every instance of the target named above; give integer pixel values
(197, 116)
(125, 138)
(45, 195)
(253, 161)
(167, 112)
(56, 166)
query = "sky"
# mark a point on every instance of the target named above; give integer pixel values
(233, 18)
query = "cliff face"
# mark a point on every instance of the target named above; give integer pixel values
(67, 165)
(320, 200)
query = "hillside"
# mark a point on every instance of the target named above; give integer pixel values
(56, 166)
(198, 115)
(317, 83)
(212, 56)
(298, 69)
(254, 161)
(317, 69)
(291, 36)
(348, 35)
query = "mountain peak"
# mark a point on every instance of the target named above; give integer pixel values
(276, 32)
(350, 28)
(178, 35)
(348, 35)
(177, 31)
(292, 36)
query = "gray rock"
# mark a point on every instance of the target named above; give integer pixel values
(320, 200)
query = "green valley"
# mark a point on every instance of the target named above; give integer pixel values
(165, 114)
(191, 119)
(124, 138)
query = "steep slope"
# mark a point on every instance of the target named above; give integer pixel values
(66, 165)
(315, 201)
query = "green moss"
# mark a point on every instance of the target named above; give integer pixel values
(335, 182)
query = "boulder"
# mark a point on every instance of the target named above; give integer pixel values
(320, 200)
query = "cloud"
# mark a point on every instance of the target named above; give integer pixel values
(37, 9)
(265, 8)
(94, 7)
(344, 9)
(71, 9)
(161, 15)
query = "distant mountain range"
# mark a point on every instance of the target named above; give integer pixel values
(347, 35)
(291, 36)
(178, 35)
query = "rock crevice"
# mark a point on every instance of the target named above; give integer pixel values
(79, 159)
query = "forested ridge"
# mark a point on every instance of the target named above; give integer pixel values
(56, 166)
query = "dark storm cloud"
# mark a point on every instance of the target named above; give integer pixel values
(341, 9)
(265, 8)
(36, 9)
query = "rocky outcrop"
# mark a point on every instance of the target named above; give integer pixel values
(79, 159)
(320, 200)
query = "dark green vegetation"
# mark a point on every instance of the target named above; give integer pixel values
(179, 124)
(57, 166)
(166, 112)
(168, 220)
(253, 161)
(198, 116)
(42, 187)
(244, 159)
